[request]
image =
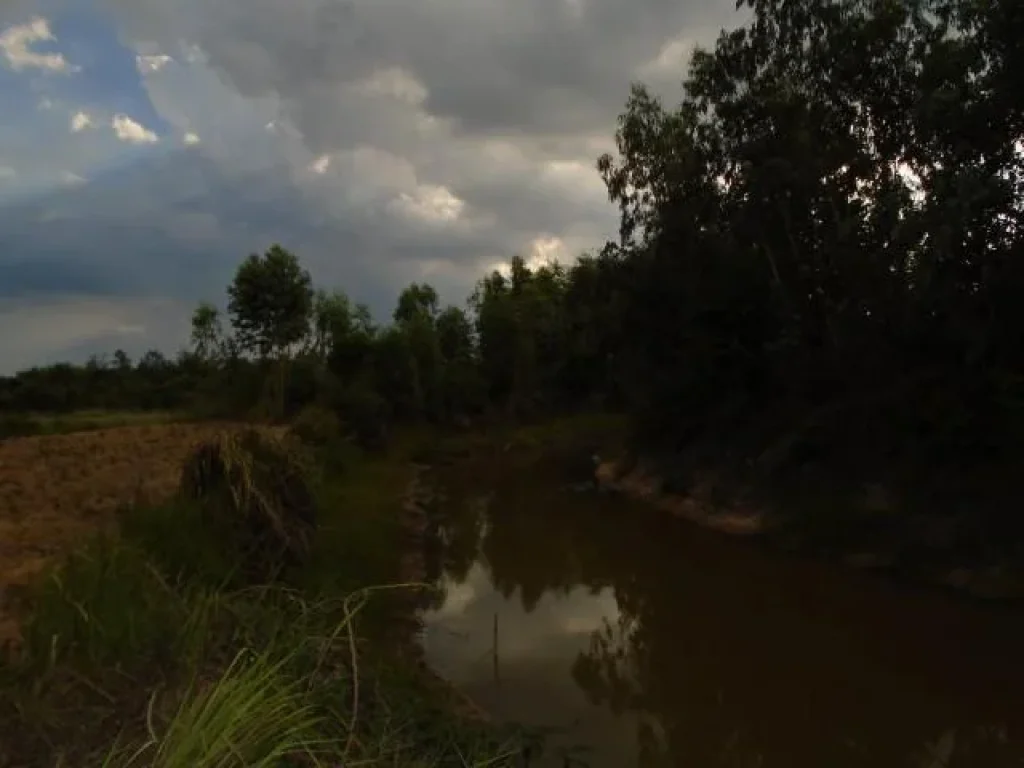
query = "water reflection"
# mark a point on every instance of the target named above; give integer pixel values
(658, 644)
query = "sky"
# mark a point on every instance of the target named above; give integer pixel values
(147, 146)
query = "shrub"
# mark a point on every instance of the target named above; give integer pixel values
(18, 425)
(367, 414)
(258, 484)
(316, 426)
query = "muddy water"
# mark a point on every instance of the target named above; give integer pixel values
(644, 641)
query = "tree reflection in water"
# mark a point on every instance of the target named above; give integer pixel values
(731, 656)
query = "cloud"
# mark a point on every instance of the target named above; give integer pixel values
(80, 121)
(321, 164)
(71, 179)
(128, 130)
(384, 141)
(17, 42)
(147, 64)
(7, 173)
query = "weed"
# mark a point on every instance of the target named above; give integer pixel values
(260, 485)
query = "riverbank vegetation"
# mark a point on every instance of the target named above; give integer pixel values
(816, 282)
(229, 623)
(813, 305)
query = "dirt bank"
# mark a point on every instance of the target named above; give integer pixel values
(994, 581)
(642, 483)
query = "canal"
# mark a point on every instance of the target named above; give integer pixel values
(641, 640)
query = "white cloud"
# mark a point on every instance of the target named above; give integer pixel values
(16, 45)
(147, 64)
(321, 164)
(80, 121)
(71, 179)
(190, 138)
(45, 103)
(395, 83)
(671, 60)
(128, 130)
(435, 137)
(431, 204)
(6, 172)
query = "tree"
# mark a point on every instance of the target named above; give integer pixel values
(461, 387)
(332, 320)
(833, 208)
(270, 302)
(416, 301)
(206, 332)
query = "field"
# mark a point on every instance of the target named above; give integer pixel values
(57, 489)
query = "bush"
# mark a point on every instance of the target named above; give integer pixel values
(316, 426)
(18, 425)
(257, 484)
(367, 414)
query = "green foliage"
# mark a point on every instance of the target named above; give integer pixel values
(270, 302)
(366, 413)
(253, 715)
(185, 543)
(828, 223)
(821, 214)
(258, 485)
(105, 603)
(417, 302)
(207, 334)
(316, 426)
(144, 638)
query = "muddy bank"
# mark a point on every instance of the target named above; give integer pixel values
(900, 556)
(642, 483)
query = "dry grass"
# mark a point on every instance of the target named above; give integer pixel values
(259, 485)
(56, 490)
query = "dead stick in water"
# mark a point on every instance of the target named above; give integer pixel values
(497, 679)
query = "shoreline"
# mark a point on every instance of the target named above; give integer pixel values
(991, 583)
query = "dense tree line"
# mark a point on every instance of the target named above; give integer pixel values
(834, 208)
(823, 238)
(528, 343)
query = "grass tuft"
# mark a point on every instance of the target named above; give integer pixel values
(260, 484)
(253, 715)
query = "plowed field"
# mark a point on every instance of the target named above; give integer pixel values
(56, 490)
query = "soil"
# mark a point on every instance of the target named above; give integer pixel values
(57, 489)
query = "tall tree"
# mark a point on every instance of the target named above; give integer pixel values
(270, 302)
(206, 332)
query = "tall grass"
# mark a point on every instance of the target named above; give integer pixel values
(153, 641)
(252, 716)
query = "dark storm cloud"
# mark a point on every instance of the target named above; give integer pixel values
(449, 134)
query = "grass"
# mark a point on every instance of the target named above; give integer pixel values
(57, 490)
(149, 648)
(26, 424)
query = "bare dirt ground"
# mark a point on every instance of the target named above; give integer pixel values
(56, 490)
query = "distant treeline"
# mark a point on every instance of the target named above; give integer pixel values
(823, 240)
(532, 341)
